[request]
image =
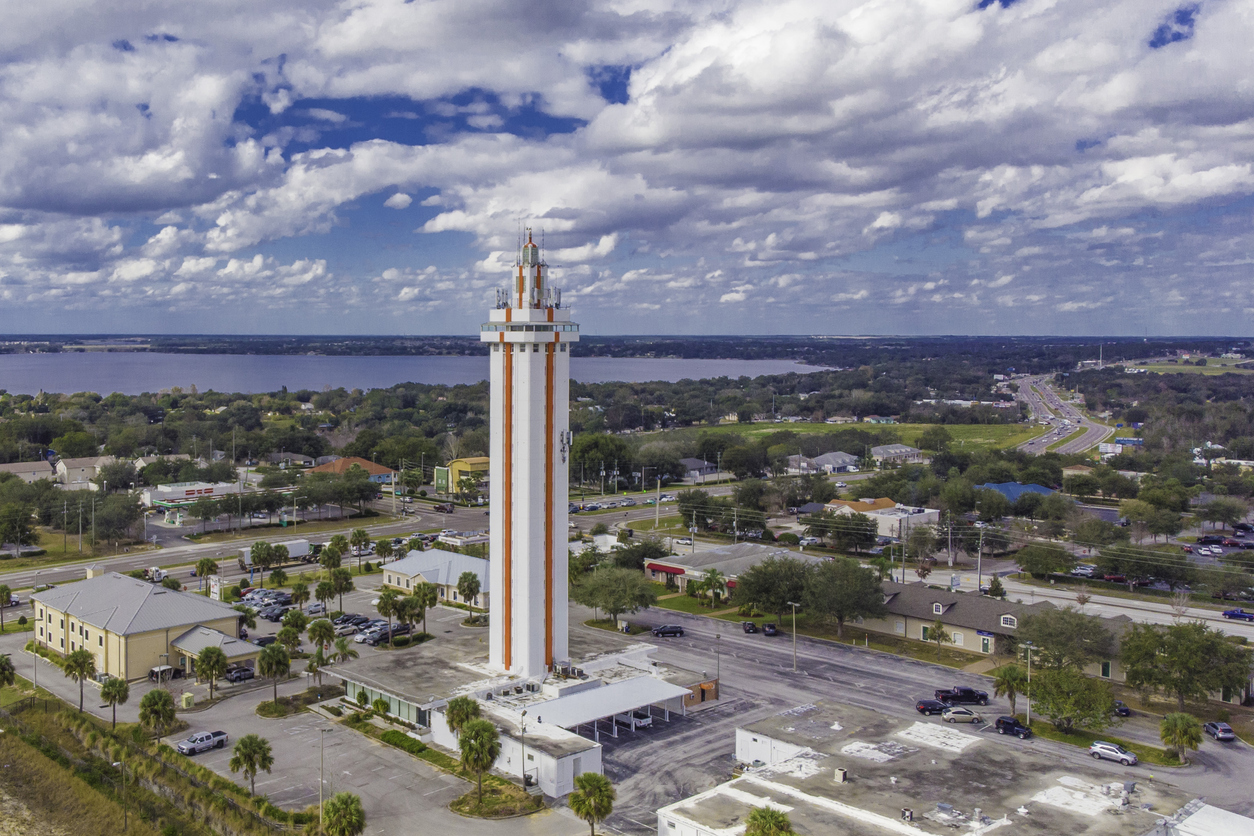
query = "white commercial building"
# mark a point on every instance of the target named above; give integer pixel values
(529, 333)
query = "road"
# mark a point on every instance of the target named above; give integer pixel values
(1046, 404)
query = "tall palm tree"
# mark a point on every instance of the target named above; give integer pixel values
(80, 666)
(324, 592)
(251, 755)
(459, 712)
(1180, 731)
(428, 595)
(211, 664)
(8, 674)
(6, 595)
(115, 692)
(713, 582)
(480, 746)
(359, 540)
(764, 821)
(322, 633)
(1010, 681)
(388, 599)
(331, 558)
(341, 582)
(300, 594)
(156, 710)
(593, 799)
(340, 543)
(343, 650)
(274, 663)
(205, 567)
(343, 815)
(383, 549)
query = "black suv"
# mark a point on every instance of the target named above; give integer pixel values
(750, 627)
(1009, 725)
(668, 630)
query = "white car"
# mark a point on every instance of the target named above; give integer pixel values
(960, 715)
(810, 541)
(841, 485)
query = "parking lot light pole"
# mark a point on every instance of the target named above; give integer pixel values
(1027, 646)
(794, 635)
(322, 759)
(718, 658)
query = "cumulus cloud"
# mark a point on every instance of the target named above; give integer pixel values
(812, 158)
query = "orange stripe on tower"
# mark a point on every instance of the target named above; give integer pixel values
(507, 593)
(548, 504)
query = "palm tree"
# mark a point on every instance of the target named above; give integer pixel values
(205, 567)
(428, 595)
(1180, 731)
(80, 665)
(343, 650)
(388, 599)
(315, 665)
(115, 692)
(409, 610)
(324, 592)
(248, 616)
(6, 595)
(278, 577)
(289, 637)
(343, 815)
(300, 594)
(468, 587)
(340, 543)
(712, 581)
(341, 582)
(8, 674)
(593, 799)
(480, 747)
(383, 549)
(330, 557)
(322, 633)
(459, 712)
(260, 553)
(274, 663)
(764, 821)
(251, 755)
(156, 710)
(1010, 681)
(359, 540)
(211, 664)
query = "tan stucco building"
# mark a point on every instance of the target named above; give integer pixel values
(129, 625)
(441, 568)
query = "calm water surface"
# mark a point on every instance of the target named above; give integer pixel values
(132, 374)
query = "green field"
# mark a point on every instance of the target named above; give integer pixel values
(1212, 367)
(966, 436)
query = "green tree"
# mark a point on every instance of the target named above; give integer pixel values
(261, 553)
(427, 595)
(156, 711)
(341, 582)
(331, 558)
(344, 651)
(211, 664)
(1187, 661)
(343, 815)
(937, 633)
(772, 584)
(247, 616)
(1066, 638)
(995, 589)
(17, 527)
(468, 586)
(252, 754)
(324, 592)
(383, 549)
(459, 712)
(616, 591)
(289, 637)
(274, 664)
(205, 510)
(278, 577)
(115, 691)
(712, 583)
(592, 799)
(1042, 559)
(6, 595)
(480, 746)
(1070, 699)
(300, 594)
(387, 606)
(767, 821)
(360, 542)
(295, 619)
(8, 674)
(1225, 510)
(841, 589)
(380, 706)
(1180, 731)
(854, 532)
(80, 666)
(935, 438)
(322, 633)
(205, 567)
(1010, 681)
(991, 505)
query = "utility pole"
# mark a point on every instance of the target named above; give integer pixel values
(657, 506)
(65, 525)
(949, 518)
(979, 558)
(794, 635)
(80, 526)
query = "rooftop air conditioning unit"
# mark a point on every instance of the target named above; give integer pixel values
(842, 775)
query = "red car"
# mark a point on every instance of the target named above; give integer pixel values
(1231, 543)
(1187, 549)
(1115, 578)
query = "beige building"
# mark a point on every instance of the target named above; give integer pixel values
(29, 472)
(130, 626)
(78, 472)
(441, 568)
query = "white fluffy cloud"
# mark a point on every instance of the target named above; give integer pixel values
(846, 166)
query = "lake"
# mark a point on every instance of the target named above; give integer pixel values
(135, 373)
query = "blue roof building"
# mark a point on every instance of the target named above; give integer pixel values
(1013, 490)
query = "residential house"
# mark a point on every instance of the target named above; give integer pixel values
(441, 568)
(30, 472)
(974, 622)
(878, 419)
(130, 625)
(79, 473)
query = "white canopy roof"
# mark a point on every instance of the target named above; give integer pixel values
(606, 701)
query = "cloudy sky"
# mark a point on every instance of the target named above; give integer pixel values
(714, 166)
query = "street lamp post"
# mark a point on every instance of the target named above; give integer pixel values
(718, 657)
(322, 758)
(1027, 646)
(794, 635)
(125, 810)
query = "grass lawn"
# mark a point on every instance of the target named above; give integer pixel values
(975, 436)
(607, 624)
(1082, 739)
(1213, 366)
(695, 606)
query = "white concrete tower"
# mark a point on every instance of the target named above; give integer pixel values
(530, 333)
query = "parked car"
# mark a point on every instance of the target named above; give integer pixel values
(1219, 731)
(201, 741)
(749, 627)
(627, 503)
(635, 719)
(381, 636)
(668, 630)
(769, 629)
(930, 707)
(240, 674)
(1102, 750)
(264, 641)
(1084, 570)
(683, 541)
(316, 608)
(960, 715)
(1010, 725)
(962, 695)
(1122, 709)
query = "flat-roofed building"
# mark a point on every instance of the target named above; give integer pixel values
(129, 625)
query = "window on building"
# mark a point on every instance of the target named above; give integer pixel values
(564, 351)
(1009, 621)
(407, 583)
(937, 609)
(63, 624)
(63, 644)
(957, 639)
(899, 627)
(1106, 669)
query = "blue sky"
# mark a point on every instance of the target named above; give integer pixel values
(848, 167)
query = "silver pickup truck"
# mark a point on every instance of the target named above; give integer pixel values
(200, 741)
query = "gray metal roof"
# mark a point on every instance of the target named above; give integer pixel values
(125, 605)
(733, 559)
(441, 567)
(197, 639)
(893, 450)
(836, 459)
(961, 609)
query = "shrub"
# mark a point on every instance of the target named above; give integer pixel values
(401, 641)
(366, 567)
(422, 492)
(403, 741)
(21, 621)
(335, 711)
